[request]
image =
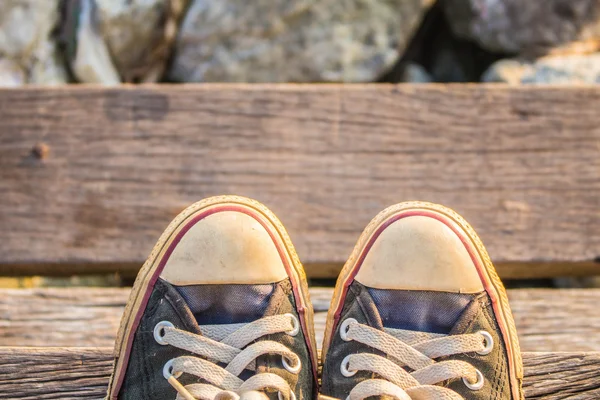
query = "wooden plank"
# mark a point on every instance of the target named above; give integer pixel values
(54, 373)
(547, 319)
(83, 373)
(93, 175)
(61, 317)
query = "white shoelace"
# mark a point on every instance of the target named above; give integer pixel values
(229, 344)
(417, 351)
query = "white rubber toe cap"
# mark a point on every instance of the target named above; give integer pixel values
(226, 247)
(419, 253)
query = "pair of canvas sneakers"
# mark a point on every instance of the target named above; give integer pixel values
(221, 310)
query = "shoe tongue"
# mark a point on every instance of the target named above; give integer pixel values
(420, 310)
(226, 304)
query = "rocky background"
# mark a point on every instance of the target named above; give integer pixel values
(51, 42)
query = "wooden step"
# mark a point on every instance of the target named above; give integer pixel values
(83, 373)
(549, 322)
(91, 176)
(546, 319)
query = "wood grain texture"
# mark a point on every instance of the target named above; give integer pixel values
(61, 317)
(54, 373)
(547, 320)
(557, 376)
(83, 373)
(93, 175)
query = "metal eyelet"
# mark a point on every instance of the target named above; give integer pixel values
(477, 385)
(293, 369)
(159, 331)
(295, 324)
(345, 327)
(344, 367)
(168, 370)
(292, 397)
(489, 343)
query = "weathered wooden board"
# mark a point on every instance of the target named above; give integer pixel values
(547, 320)
(93, 175)
(83, 373)
(54, 373)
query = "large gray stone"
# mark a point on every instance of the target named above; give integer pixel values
(27, 44)
(525, 26)
(85, 47)
(555, 70)
(109, 41)
(293, 40)
(139, 34)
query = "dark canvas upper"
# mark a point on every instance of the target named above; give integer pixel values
(425, 311)
(209, 304)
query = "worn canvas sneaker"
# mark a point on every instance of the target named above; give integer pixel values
(419, 313)
(220, 310)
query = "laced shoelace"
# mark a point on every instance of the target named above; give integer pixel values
(229, 345)
(416, 351)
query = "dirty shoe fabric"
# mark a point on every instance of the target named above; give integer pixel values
(419, 313)
(219, 311)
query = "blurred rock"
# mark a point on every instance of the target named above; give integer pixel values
(506, 71)
(554, 70)
(11, 74)
(85, 48)
(444, 56)
(114, 40)
(139, 34)
(293, 40)
(27, 43)
(527, 26)
(415, 73)
(48, 66)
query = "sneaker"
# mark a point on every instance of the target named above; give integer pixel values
(419, 312)
(220, 310)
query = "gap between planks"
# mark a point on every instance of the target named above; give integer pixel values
(506, 270)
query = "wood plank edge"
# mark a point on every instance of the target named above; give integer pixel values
(83, 372)
(314, 270)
